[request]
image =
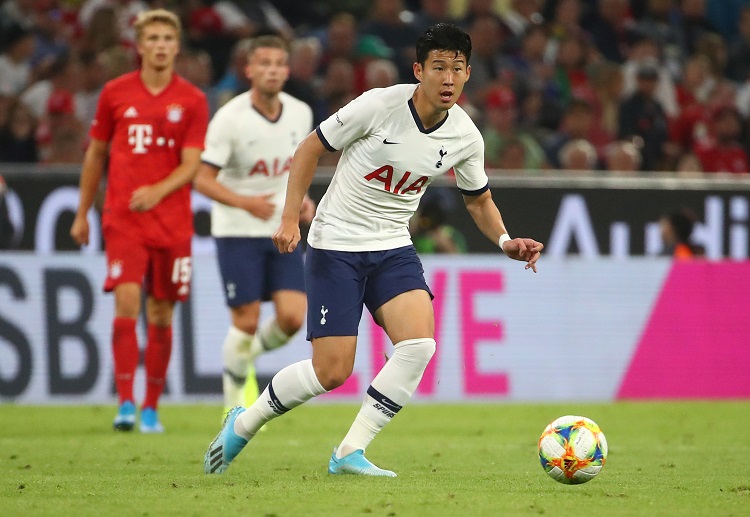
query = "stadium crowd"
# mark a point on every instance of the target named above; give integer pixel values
(575, 85)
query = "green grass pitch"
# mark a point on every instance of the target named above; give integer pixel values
(676, 458)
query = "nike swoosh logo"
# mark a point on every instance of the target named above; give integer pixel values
(385, 141)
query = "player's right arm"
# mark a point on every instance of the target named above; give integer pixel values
(302, 170)
(205, 182)
(91, 176)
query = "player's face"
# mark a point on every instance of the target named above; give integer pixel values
(268, 69)
(158, 46)
(442, 77)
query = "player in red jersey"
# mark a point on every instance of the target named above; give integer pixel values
(151, 123)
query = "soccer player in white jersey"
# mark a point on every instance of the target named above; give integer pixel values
(245, 166)
(395, 141)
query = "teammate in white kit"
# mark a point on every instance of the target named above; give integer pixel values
(395, 141)
(245, 167)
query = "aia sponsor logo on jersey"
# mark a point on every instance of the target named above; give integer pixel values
(174, 113)
(403, 185)
(274, 168)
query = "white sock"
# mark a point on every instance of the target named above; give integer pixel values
(389, 392)
(236, 357)
(291, 387)
(270, 336)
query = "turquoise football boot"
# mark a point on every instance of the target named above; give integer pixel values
(226, 446)
(356, 463)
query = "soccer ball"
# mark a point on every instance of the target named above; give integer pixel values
(572, 449)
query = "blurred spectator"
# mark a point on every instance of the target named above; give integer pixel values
(566, 23)
(431, 234)
(380, 73)
(215, 26)
(6, 103)
(693, 95)
(15, 60)
(517, 18)
(688, 165)
(606, 82)
(642, 119)
(17, 138)
(500, 128)
(53, 36)
(538, 115)
(610, 29)
(431, 12)
(486, 59)
(339, 40)
(123, 16)
(195, 66)
(266, 14)
(578, 155)
(386, 21)
(102, 35)
(233, 81)
(93, 76)
(622, 156)
(16, 13)
(512, 156)
(723, 16)
(370, 48)
(738, 66)
(529, 68)
(337, 88)
(302, 16)
(477, 9)
(658, 24)
(576, 124)
(724, 152)
(64, 74)
(714, 48)
(692, 24)
(61, 136)
(647, 49)
(571, 78)
(304, 59)
(676, 233)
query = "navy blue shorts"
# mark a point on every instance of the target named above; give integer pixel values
(339, 283)
(252, 269)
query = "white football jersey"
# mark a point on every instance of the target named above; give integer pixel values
(254, 155)
(388, 160)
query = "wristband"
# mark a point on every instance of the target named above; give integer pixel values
(503, 239)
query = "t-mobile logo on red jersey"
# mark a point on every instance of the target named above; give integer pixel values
(139, 136)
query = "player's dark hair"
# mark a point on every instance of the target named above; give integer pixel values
(443, 36)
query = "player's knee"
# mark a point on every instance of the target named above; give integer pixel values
(159, 312)
(333, 376)
(290, 323)
(249, 328)
(246, 323)
(417, 350)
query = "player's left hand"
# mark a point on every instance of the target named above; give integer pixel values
(145, 198)
(287, 236)
(527, 250)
